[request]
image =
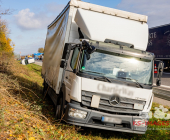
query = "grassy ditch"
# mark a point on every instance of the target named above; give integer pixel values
(25, 115)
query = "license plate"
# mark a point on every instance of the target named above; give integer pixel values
(111, 120)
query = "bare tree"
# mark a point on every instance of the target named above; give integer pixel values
(6, 11)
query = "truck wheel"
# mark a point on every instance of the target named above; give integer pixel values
(59, 108)
(44, 87)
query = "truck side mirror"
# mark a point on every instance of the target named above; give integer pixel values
(87, 55)
(158, 82)
(75, 71)
(89, 48)
(160, 72)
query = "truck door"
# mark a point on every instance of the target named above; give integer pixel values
(69, 75)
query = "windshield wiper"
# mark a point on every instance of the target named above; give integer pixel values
(139, 85)
(104, 77)
(100, 77)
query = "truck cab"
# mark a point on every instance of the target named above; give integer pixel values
(110, 88)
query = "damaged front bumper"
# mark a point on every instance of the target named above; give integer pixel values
(77, 115)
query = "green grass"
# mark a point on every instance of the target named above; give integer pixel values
(35, 68)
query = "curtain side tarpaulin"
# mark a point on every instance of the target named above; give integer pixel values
(55, 41)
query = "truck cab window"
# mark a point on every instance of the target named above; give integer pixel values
(74, 58)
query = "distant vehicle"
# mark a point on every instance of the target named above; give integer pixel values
(30, 60)
(159, 43)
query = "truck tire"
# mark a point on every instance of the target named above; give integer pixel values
(44, 87)
(58, 109)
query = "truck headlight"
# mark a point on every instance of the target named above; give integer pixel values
(77, 113)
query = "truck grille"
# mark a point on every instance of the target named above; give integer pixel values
(126, 105)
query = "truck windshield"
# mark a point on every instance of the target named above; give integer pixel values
(118, 66)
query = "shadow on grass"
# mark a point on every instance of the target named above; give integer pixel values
(107, 134)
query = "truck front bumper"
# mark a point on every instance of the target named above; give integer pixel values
(93, 119)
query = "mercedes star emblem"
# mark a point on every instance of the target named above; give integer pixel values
(114, 100)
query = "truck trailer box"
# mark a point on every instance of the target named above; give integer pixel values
(159, 43)
(96, 68)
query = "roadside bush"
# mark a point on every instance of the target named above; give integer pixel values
(5, 42)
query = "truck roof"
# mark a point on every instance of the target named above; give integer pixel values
(102, 9)
(107, 10)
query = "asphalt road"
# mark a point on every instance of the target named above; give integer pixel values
(38, 62)
(161, 101)
(162, 93)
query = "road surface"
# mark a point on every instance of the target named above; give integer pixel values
(38, 62)
(165, 79)
(161, 101)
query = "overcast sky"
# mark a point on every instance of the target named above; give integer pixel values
(29, 20)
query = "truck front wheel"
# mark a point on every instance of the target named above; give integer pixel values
(59, 108)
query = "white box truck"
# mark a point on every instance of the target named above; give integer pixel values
(96, 69)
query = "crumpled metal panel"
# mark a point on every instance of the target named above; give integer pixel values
(55, 41)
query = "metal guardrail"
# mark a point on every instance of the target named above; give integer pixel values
(162, 93)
